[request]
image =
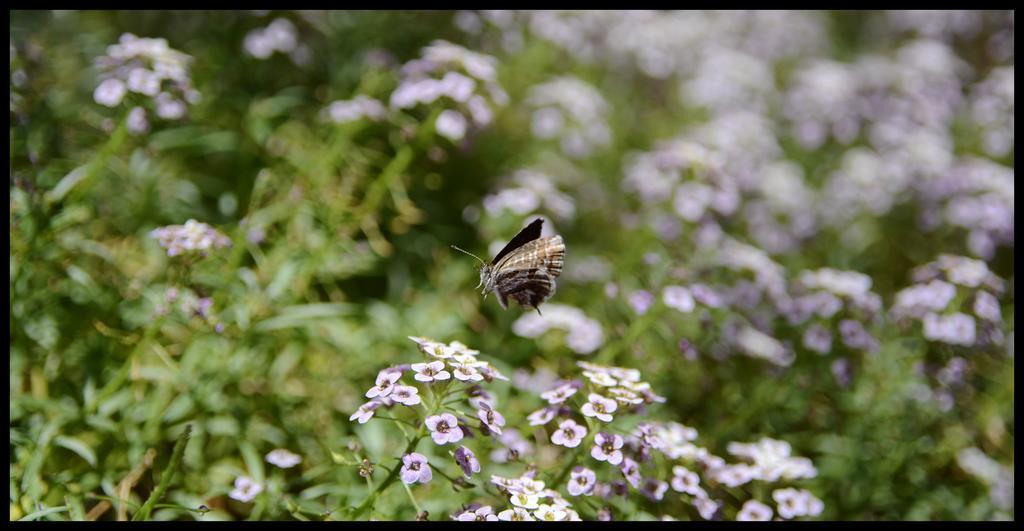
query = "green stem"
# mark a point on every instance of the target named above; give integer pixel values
(372, 497)
(165, 480)
(412, 498)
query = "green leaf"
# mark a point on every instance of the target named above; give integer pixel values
(39, 514)
(77, 447)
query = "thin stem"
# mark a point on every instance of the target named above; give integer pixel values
(412, 498)
(372, 497)
(165, 480)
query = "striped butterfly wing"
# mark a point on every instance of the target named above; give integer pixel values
(528, 274)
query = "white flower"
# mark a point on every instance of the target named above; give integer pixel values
(955, 329)
(282, 458)
(559, 394)
(365, 411)
(679, 298)
(754, 511)
(405, 394)
(599, 406)
(541, 416)
(526, 501)
(430, 372)
(685, 480)
(451, 125)
(110, 92)
(569, 434)
(516, 514)
(550, 513)
(245, 489)
(384, 385)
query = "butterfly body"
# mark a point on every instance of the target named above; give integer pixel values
(525, 269)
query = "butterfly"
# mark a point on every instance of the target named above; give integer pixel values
(525, 269)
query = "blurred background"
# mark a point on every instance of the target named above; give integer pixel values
(798, 225)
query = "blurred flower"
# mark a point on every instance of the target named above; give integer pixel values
(754, 511)
(415, 469)
(193, 236)
(148, 67)
(955, 329)
(480, 514)
(357, 108)
(282, 458)
(550, 513)
(706, 506)
(571, 109)
(451, 125)
(678, 297)
(365, 411)
(279, 36)
(559, 394)
(641, 301)
(541, 416)
(759, 345)
(245, 489)
(569, 434)
(685, 480)
(583, 336)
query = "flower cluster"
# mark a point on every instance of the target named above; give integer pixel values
(279, 36)
(193, 237)
(357, 108)
(572, 110)
(468, 80)
(583, 334)
(150, 68)
(527, 191)
(937, 285)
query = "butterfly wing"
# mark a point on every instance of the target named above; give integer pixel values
(529, 233)
(528, 274)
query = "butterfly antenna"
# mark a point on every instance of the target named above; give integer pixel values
(469, 253)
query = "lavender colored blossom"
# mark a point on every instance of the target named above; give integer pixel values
(365, 411)
(415, 469)
(754, 511)
(678, 298)
(282, 458)
(444, 428)
(467, 461)
(608, 447)
(641, 301)
(245, 489)
(193, 236)
(405, 394)
(581, 481)
(430, 372)
(385, 384)
(491, 418)
(599, 407)
(569, 434)
(955, 329)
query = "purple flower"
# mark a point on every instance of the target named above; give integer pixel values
(818, 339)
(415, 469)
(405, 394)
(559, 394)
(654, 489)
(581, 481)
(641, 301)
(430, 372)
(384, 385)
(444, 428)
(365, 411)
(282, 458)
(467, 461)
(678, 297)
(631, 470)
(706, 506)
(245, 489)
(607, 447)
(569, 434)
(685, 480)
(754, 511)
(986, 306)
(599, 406)
(955, 329)
(491, 418)
(541, 416)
